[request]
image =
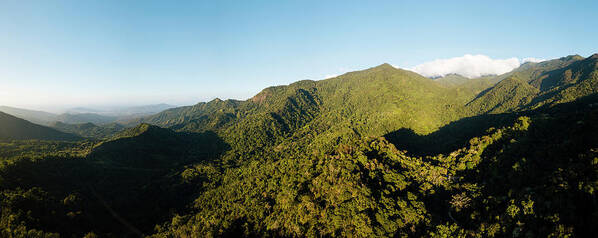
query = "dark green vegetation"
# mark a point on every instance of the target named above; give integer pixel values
(89, 130)
(37, 117)
(374, 153)
(18, 129)
(85, 118)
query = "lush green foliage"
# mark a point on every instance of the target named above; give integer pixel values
(89, 130)
(374, 153)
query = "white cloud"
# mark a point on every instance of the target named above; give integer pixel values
(470, 66)
(532, 59)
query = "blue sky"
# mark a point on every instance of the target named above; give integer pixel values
(58, 54)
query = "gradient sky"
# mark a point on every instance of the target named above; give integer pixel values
(57, 54)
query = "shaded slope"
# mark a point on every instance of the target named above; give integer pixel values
(519, 177)
(37, 117)
(368, 102)
(371, 102)
(298, 161)
(12, 128)
(569, 83)
(536, 73)
(536, 84)
(148, 146)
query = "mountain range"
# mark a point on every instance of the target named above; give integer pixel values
(373, 153)
(14, 128)
(86, 115)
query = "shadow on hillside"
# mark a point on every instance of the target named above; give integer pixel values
(457, 134)
(532, 163)
(162, 150)
(449, 137)
(124, 187)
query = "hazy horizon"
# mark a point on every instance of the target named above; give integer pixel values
(66, 54)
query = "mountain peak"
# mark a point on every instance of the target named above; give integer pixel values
(572, 57)
(384, 66)
(144, 129)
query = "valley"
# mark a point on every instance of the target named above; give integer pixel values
(378, 152)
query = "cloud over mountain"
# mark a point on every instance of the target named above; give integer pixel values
(532, 59)
(470, 66)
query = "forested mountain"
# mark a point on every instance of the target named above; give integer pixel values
(89, 130)
(369, 102)
(535, 84)
(381, 152)
(452, 80)
(37, 117)
(12, 128)
(85, 118)
(46, 118)
(86, 115)
(506, 95)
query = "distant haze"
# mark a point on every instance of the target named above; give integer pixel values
(56, 55)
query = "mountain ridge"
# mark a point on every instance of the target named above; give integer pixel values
(13, 128)
(380, 152)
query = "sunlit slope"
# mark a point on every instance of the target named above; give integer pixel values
(368, 102)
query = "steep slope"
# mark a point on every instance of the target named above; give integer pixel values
(308, 160)
(513, 179)
(549, 74)
(509, 94)
(215, 111)
(361, 103)
(535, 84)
(566, 84)
(374, 102)
(12, 128)
(535, 73)
(148, 146)
(37, 117)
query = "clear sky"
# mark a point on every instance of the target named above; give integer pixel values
(83, 53)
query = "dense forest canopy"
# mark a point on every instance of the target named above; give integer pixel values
(374, 153)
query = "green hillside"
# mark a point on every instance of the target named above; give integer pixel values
(381, 152)
(452, 80)
(536, 84)
(37, 117)
(89, 130)
(85, 118)
(12, 128)
(371, 102)
(507, 95)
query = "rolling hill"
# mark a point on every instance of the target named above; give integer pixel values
(505, 96)
(535, 84)
(37, 117)
(86, 115)
(13, 128)
(89, 130)
(381, 152)
(362, 103)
